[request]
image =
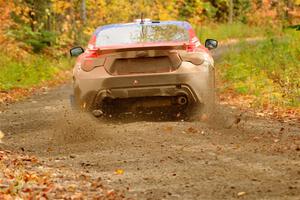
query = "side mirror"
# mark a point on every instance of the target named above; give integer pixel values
(76, 51)
(211, 44)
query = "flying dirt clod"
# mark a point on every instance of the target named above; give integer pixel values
(1, 136)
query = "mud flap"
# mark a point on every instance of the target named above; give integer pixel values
(72, 102)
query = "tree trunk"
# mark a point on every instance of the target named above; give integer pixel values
(83, 11)
(230, 17)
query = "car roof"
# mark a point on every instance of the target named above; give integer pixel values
(183, 24)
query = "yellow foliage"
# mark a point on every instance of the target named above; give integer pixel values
(72, 21)
(60, 6)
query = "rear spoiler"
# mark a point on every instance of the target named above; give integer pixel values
(140, 47)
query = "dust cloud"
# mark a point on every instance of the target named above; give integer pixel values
(74, 127)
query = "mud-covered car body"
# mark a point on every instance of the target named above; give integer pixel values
(160, 63)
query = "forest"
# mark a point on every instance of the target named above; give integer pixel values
(39, 24)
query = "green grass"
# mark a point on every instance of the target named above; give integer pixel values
(236, 30)
(30, 71)
(269, 70)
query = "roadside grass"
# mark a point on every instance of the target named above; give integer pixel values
(223, 32)
(268, 70)
(30, 71)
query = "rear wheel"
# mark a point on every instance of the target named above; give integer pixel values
(204, 110)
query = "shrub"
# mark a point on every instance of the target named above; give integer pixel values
(38, 40)
(269, 69)
(28, 72)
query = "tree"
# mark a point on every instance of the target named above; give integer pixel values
(230, 17)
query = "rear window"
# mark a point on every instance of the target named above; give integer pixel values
(142, 33)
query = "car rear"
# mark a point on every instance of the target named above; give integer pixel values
(143, 65)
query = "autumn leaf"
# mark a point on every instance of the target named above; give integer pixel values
(21, 179)
(1, 136)
(192, 130)
(168, 128)
(241, 194)
(119, 172)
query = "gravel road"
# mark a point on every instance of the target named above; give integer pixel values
(251, 158)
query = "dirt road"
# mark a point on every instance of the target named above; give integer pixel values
(255, 158)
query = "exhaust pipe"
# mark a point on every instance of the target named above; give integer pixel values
(97, 113)
(182, 100)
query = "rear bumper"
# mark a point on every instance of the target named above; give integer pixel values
(148, 91)
(194, 83)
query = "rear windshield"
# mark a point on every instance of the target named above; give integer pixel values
(142, 33)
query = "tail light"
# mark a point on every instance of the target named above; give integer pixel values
(190, 47)
(194, 41)
(92, 42)
(92, 53)
(88, 64)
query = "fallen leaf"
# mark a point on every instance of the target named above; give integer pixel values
(119, 172)
(256, 138)
(204, 117)
(241, 194)
(192, 130)
(110, 192)
(276, 140)
(77, 195)
(260, 114)
(1, 136)
(72, 188)
(72, 156)
(168, 128)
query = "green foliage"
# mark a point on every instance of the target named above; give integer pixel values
(233, 31)
(241, 9)
(270, 70)
(222, 7)
(38, 40)
(28, 72)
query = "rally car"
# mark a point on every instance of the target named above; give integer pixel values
(144, 65)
